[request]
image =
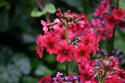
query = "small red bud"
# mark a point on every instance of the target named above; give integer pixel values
(58, 9)
(57, 14)
(68, 11)
(105, 54)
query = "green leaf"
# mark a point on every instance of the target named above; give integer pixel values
(5, 4)
(61, 66)
(119, 40)
(9, 74)
(50, 8)
(36, 13)
(50, 58)
(121, 4)
(43, 70)
(28, 79)
(22, 62)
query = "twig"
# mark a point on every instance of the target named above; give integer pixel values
(41, 8)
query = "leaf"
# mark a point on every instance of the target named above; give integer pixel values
(9, 74)
(119, 40)
(74, 3)
(50, 58)
(43, 70)
(61, 66)
(22, 62)
(36, 13)
(50, 8)
(27, 38)
(5, 4)
(28, 79)
(121, 3)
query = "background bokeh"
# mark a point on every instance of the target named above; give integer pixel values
(19, 62)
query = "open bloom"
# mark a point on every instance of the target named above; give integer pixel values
(64, 51)
(110, 21)
(87, 75)
(119, 14)
(46, 79)
(114, 79)
(81, 53)
(50, 43)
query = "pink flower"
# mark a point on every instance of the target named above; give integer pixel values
(100, 11)
(110, 21)
(88, 40)
(45, 28)
(80, 24)
(87, 75)
(119, 14)
(81, 53)
(46, 79)
(121, 24)
(114, 79)
(85, 64)
(39, 47)
(64, 51)
(50, 43)
(59, 27)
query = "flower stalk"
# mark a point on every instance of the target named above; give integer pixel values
(66, 37)
(114, 30)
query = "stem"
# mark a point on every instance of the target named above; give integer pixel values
(102, 80)
(66, 37)
(114, 30)
(41, 8)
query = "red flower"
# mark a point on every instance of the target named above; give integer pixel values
(39, 47)
(121, 24)
(50, 43)
(64, 51)
(82, 52)
(46, 79)
(119, 14)
(88, 40)
(100, 11)
(82, 66)
(59, 28)
(80, 24)
(85, 64)
(110, 21)
(87, 75)
(114, 79)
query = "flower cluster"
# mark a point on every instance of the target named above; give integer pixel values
(107, 72)
(72, 37)
(105, 18)
(68, 37)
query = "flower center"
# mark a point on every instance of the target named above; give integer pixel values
(50, 44)
(60, 25)
(87, 42)
(82, 52)
(86, 76)
(110, 20)
(119, 13)
(65, 51)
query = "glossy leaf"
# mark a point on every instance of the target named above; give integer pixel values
(36, 13)
(50, 8)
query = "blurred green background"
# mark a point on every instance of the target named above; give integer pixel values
(19, 62)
